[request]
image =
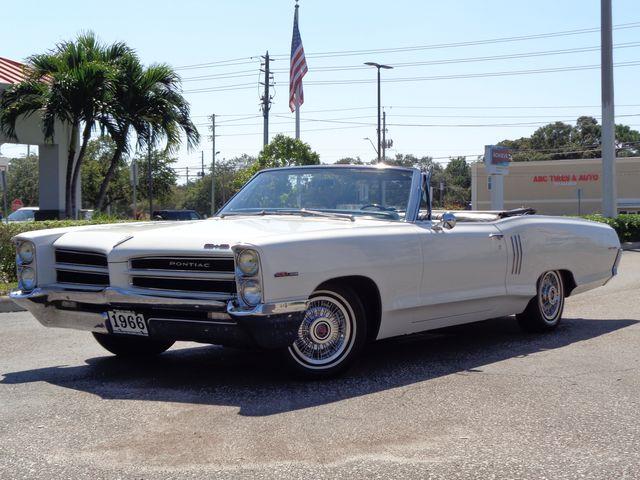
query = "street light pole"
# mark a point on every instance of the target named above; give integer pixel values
(372, 145)
(379, 66)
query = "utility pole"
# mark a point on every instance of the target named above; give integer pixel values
(202, 169)
(266, 98)
(150, 178)
(134, 185)
(213, 165)
(187, 175)
(609, 194)
(384, 136)
(378, 67)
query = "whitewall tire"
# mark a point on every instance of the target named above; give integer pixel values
(331, 335)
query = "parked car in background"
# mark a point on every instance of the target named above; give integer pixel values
(313, 261)
(24, 214)
(178, 215)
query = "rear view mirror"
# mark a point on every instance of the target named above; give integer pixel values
(447, 222)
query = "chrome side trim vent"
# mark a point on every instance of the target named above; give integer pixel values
(517, 254)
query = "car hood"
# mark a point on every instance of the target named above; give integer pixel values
(121, 241)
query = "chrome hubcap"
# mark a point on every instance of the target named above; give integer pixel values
(550, 295)
(325, 332)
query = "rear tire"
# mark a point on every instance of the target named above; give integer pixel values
(331, 336)
(123, 346)
(544, 311)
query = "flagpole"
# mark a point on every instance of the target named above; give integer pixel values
(297, 103)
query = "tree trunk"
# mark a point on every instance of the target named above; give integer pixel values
(86, 134)
(102, 194)
(68, 207)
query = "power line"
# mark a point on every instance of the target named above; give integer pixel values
(472, 59)
(221, 63)
(564, 33)
(252, 59)
(471, 75)
(573, 68)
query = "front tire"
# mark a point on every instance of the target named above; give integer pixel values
(544, 311)
(133, 347)
(331, 335)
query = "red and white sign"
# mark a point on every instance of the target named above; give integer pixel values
(16, 204)
(497, 159)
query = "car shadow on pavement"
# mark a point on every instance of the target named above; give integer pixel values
(258, 385)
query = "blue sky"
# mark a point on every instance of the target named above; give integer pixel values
(192, 32)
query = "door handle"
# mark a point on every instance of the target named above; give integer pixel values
(497, 236)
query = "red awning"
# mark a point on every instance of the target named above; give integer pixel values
(11, 71)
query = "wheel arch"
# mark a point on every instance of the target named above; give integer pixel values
(369, 294)
(568, 280)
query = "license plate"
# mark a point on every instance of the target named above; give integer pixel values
(128, 322)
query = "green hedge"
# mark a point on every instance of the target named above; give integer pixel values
(626, 225)
(9, 230)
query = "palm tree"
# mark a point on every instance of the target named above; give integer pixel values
(71, 83)
(148, 102)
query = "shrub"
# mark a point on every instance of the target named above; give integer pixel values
(627, 226)
(9, 230)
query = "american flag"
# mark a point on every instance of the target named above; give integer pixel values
(298, 67)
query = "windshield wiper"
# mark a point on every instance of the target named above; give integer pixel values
(318, 213)
(302, 211)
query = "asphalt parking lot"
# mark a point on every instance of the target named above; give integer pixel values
(479, 401)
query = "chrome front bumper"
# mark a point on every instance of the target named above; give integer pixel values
(46, 304)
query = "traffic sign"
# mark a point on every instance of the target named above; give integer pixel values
(16, 204)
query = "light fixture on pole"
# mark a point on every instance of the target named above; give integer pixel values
(378, 66)
(372, 145)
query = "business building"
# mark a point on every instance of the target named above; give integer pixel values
(53, 152)
(559, 187)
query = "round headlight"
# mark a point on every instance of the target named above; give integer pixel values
(26, 252)
(27, 278)
(248, 262)
(251, 292)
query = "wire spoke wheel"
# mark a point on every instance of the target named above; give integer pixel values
(550, 296)
(326, 333)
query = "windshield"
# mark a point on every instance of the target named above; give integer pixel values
(21, 216)
(381, 193)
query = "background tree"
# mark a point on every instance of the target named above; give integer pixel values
(559, 140)
(99, 153)
(197, 195)
(457, 182)
(22, 180)
(350, 161)
(147, 101)
(282, 151)
(163, 175)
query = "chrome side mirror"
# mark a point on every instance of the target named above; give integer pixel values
(447, 222)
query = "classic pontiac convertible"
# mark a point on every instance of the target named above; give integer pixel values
(315, 262)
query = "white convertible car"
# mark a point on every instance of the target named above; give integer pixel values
(315, 262)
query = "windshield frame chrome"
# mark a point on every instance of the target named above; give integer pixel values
(413, 203)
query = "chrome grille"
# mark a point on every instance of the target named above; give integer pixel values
(211, 275)
(184, 264)
(81, 268)
(78, 257)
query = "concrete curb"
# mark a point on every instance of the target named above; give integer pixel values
(7, 306)
(631, 246)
